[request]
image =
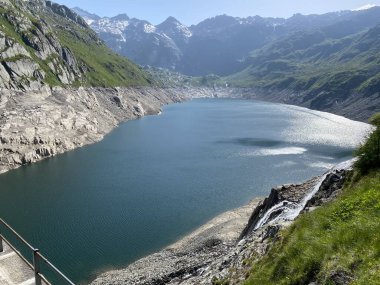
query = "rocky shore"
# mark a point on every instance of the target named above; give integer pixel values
(38, 124)
(223, 248)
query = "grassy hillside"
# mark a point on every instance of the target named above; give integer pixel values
(338, 243)
(318, 69)
(105, 68)
(316, 62)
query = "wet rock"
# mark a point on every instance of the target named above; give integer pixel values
(285, 194)
(117, 100)
(271, 232)
(330, 188)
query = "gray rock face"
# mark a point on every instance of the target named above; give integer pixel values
(21, 68)
(35, 38)
(66, 12)
(11, 48)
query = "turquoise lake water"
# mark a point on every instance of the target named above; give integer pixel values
(153, 180)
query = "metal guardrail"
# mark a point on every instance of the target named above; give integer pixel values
(38, 258)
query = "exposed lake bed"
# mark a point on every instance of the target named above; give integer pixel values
(156, 179)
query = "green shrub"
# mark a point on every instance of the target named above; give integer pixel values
(216, 281)
(369, 153)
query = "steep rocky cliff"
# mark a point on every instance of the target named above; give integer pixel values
(43, 43)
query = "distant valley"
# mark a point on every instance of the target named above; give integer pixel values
(325, 62)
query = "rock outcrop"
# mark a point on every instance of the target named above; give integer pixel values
(30, 47)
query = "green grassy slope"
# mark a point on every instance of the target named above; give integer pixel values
(106, 69)
(316, 62)
(339, 239)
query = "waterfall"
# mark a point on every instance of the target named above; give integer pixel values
(289, 211)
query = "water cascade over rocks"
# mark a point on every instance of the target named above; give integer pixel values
(278, 208)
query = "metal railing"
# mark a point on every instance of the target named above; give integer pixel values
(38, 258)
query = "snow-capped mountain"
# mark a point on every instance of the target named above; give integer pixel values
(218, 45)
(141, 41)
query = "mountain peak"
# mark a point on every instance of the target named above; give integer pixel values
(169, 22)
(85, 14)
(174, 28)
(121, 17)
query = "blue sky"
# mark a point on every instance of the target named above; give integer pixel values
(194, 11)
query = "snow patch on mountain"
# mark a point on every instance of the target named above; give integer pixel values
(148, 28)
(365, 7)
(107, 25)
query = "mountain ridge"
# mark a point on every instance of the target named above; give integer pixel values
(218, 45)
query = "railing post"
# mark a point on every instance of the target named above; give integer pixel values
(36, 265)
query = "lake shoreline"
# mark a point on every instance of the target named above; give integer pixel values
(224, 243)
(212, 239)
(36, 125)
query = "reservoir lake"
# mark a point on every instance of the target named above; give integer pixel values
(153, 180)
